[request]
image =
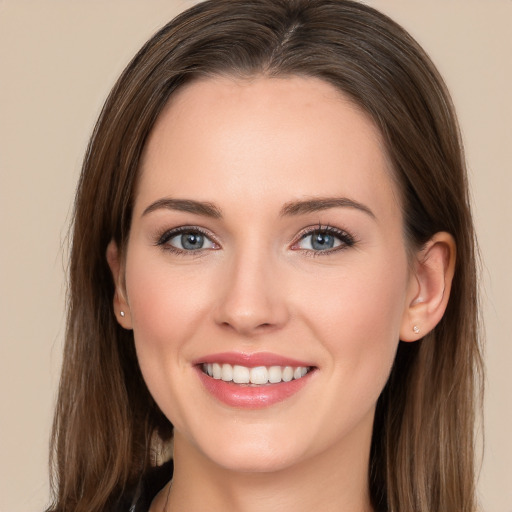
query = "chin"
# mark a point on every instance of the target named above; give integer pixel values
(252, 459)
(253, 449)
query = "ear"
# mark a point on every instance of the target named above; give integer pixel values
(121, 307)
(429, 287)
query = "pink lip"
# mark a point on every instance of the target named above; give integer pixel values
(251, 360)
(252, 397)
(247, 396)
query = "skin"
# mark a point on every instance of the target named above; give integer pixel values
(251, 147)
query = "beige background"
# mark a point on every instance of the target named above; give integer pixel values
(58, 59)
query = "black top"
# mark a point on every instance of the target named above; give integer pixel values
(139, 498)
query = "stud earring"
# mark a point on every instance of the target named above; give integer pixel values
(121, 313)
(416, 329)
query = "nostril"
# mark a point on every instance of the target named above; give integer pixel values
(248, 329)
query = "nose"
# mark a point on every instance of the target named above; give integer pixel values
(252, 298)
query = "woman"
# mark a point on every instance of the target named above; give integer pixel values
(273, 266)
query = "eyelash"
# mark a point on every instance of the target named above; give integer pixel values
(346, 239)
(163, 240)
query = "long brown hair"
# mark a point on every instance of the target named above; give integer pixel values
(422, 448)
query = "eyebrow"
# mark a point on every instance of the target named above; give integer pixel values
(323, 203)
(292, 208)
(203, 208)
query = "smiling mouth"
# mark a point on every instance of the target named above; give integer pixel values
(256, 376)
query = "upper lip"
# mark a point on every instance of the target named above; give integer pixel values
(251, 360)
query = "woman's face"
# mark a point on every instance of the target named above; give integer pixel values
(266, 234)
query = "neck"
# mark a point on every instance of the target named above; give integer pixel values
(336, 480)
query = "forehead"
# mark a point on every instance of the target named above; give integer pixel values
(282, 138)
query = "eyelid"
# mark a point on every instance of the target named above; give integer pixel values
(346, 239)
(162, 239)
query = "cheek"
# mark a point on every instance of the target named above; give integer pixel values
(358, 317)
(166, 307)
(164, 299)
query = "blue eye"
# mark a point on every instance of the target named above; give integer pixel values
(324, 239)
(186, 240)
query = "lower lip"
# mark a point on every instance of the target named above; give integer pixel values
(245, 396)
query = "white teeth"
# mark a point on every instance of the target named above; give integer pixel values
(274, 374)
(241, 374)
(227, 372)
(288, 374)
(217, 371)
(257, 375)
